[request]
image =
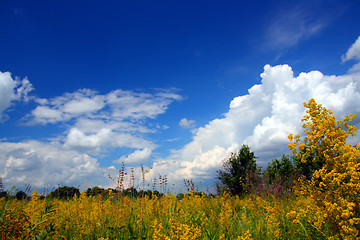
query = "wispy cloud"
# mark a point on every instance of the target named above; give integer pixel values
(292, 25)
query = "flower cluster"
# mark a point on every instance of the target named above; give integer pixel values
(334, 188)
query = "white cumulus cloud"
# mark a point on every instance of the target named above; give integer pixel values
(139, 156)
(263, 119)
(103, 138)
(40, 164)
(12, 90)
(83, 102)
(94, 123)
(185, 123)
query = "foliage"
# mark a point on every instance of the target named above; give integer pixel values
(334, 188)
(280, 170)
(236, 170)
(130, 192)
(95, 191)
(192, 217)
(14, 224)
(279, 176)
(21, 195)
(64, 192)
(305, 163)
(3, 193)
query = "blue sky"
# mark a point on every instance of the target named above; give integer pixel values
(179, 85)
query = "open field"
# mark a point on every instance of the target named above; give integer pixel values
(321, 205)
(193, 217)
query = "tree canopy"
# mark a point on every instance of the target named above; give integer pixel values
(236, 170)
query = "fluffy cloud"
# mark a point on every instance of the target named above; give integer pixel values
(115, 119)
(94, 124)
(116, 105)
(63, 108)
(45, 114)
(12, 90)
(139, 156)
(185, 123)
(105, 137)
(355, 68)
(40, 164)
(263, 119)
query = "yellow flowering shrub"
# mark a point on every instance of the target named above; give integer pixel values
(194, 217)
(334, 188)
(14, 222)
(226, 214)
(158, 231)
(246, 236)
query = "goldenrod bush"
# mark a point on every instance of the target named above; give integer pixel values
(334, 188)
(193, 217)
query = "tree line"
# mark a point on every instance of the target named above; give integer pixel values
(239, 174)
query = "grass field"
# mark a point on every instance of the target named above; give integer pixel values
(196, 216)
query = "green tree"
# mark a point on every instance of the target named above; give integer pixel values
(280, 171)
(131, 192)
(279, 176)
(2, 192)
(21, 195)
(95, 191)
(236, 171)
(64, 192)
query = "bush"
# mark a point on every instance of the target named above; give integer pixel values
(334, 188)
(236, 172)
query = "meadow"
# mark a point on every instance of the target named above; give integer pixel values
(322, 203)
(196, 216)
